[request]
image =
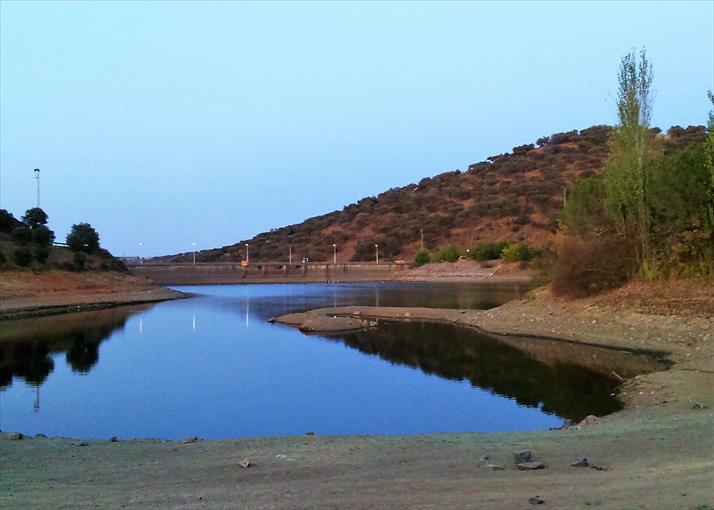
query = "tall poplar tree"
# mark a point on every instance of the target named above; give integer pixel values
(632, 152)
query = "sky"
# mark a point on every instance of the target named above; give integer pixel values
(166, 124)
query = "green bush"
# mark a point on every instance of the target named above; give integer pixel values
(448, 253)
(7, 221)
(42, 253)
(79, 261)
(21, 236)
(519, 252)
(23, 256)
(422, 257)
(488, 251)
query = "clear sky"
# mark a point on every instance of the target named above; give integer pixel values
(171, 123)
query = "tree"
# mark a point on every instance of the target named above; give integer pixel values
(583, 215)
(42, 239)
(83, 238)
(42, 236)
(632, 152)
(34, 217)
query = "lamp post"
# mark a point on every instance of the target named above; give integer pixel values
(334, 253)
(376, 254)
(37, 178)
(141, 259)
(290, 254)
(194, 253)
(247, 255)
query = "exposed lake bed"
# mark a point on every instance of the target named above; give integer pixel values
(657, 451)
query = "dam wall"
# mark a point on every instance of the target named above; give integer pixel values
(268, 272)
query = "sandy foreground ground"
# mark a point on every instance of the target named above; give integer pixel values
(658, 453)
(24, 294)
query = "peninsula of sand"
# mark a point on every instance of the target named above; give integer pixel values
(657, 453)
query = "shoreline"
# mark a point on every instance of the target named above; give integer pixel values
(27, 294)
(657, 452)
(24, 309)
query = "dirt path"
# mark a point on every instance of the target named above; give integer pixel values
(658, 453)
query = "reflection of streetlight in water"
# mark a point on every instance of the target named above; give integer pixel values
(141, 325)
(193, 325)
(247, 312)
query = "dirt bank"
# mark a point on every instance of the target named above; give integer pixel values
(28, 294)
(658, 453)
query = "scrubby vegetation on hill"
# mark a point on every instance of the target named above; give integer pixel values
(516, 196)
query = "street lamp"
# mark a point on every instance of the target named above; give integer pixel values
(247, 255)
(194, 253)
(376, 253)
(141, 259)
(334, 253)
(290, 254)
(37, 178)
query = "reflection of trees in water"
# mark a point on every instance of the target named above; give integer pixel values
(31, 363)
(569, 390)
(30, 359)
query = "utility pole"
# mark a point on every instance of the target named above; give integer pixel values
(194, 253)
(37, 178)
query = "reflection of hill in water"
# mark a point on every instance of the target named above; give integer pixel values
(560, 382)
(26, 346)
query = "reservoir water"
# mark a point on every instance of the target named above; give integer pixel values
(212, 366)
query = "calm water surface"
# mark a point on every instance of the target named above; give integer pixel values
(212, 366)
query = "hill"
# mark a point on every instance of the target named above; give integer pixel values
(514, 196)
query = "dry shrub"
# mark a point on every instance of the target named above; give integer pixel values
(584, 268)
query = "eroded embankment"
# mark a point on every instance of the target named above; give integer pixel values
(25, 294)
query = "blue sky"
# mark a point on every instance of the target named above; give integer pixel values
(171, 123)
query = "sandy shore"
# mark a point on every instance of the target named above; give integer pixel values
(24, 294)
(656, 453)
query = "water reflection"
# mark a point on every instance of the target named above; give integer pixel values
(213, 366)
(27, 346)
(565, 379)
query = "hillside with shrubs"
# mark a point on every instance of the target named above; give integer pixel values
(29, 244)
(516, 197)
